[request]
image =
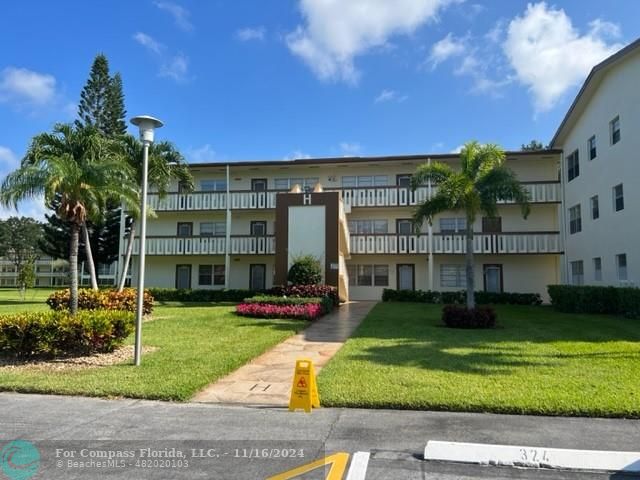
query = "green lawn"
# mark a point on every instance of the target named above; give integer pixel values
(196, 345)
(537, 361)
(11, 302)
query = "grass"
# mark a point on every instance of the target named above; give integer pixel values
(196, 346)
(537, 361)
(10, 301)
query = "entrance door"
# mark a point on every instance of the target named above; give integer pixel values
(492, 278)
(406, 276)
(259, 184)
(257, 276)
(183, 276)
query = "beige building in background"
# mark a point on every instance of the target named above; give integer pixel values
(212, 238)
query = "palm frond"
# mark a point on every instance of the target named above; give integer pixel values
(501, 183)
(435, 171)
(439, 203)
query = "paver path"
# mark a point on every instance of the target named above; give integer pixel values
(266, 380)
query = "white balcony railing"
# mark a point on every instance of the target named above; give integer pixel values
(539, 192)
(486, 243)
(240, 245)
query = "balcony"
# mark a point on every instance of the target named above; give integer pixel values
(240, 245)
(483, 243)
(393, 196)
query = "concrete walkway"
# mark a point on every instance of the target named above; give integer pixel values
(266, 380)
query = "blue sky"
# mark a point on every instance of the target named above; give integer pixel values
(249, 79)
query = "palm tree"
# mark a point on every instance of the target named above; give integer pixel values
(482, 180)
(82, 169)
(166, 165)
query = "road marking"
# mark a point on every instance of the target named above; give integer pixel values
(535, 457)
(358, 468)
(337, 461)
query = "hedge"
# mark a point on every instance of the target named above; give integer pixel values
(459, 297)
(102, 300)
(458, 316)
(47, 334)
(592, 299)
(184, 295)
(306, 291)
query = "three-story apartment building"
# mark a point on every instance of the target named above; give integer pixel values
(224, 235)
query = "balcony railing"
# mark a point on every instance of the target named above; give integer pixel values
(392, 196)
(483, 243)
(240, 245)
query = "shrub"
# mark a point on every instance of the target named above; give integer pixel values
(459, 297)
(591, 299)
(37, 334)
(307, 291)
(456, 316)
(306, 270)
(102, 300)
(325, 302)
(306, 311)
(183, 295)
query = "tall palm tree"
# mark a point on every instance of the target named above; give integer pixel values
(482, 180)
(82, 169)
(166, 165)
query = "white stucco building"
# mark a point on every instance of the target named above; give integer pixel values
(600, 140)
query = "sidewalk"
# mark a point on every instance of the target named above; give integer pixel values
(267, 379)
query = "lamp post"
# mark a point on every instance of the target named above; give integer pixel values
(147, 125)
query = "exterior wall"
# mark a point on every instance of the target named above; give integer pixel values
(614, 232)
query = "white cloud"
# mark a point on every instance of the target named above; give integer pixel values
(8, 161)
(458, 149)
(149, 43)
(23, 86)
(180, 14)
(248, 34)
(336, 31)
(446, 48)
(174, 66)
(550, 56)
(390, 96)
(350, 148)
(297, 155)
(35, 208)
(202, 154)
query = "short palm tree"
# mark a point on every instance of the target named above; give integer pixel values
(481, 182)
(166, 165)
(82, 169)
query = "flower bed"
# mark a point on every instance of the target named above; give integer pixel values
(305, 311)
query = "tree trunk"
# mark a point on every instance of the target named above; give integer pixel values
(471, 299)
(89, 255)
(127, 258)
(73, 268)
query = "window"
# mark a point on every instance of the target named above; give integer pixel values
(212, 185)
(573, 165)
(618, 198)
(365, 274)
(183, 187)
(259, 184)
(595, 208)
(185, 229)
(213, 229)
(614, 128)
(577, 272)
(368, 275)
(351, 181)
(258, 229)
(453, 225)
(403, 180)
(597, 269)
(591, 146)
(404, 226)
(453, 276)
(491, 224)
(205, 274)
(368, 227)
(288, 183)
(575, 219)
(621, 265)
(218, 274)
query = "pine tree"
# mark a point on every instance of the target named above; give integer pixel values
(92, 110)
(101, 106)
(115, 111)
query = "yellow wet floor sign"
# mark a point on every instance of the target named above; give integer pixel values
(338, 462)
(304, 390)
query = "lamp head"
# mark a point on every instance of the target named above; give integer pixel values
(147, 125)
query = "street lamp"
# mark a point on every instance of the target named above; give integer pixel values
(147, 125)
